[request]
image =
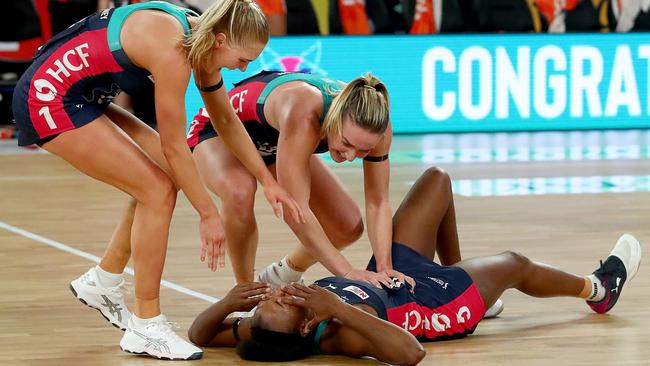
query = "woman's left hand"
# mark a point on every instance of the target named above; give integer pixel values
(279, 198)
(400, 277)
(321, 302)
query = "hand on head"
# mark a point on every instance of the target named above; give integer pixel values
(322, 303)
(245, 296)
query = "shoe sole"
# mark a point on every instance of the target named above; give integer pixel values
(94, 307)
(194, 356)
(497, 312)
(635, 252)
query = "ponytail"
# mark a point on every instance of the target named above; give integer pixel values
(365, 101)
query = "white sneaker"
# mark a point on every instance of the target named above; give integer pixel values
(158, 340)
(108, 300)
(628, 249)
(279, 274)
(494, 310)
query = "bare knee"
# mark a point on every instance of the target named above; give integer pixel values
(347, 234)
(518, 261)
(239, 197)
(437, 176)
(158, 192)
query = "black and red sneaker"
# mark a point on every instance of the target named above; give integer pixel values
(620, 267)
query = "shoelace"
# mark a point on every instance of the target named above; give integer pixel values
(167, 329)
(600, 267)
(124, 288)
(118, 290)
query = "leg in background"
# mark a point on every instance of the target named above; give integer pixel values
(224, 175)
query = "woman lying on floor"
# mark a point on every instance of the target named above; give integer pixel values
(337, 316)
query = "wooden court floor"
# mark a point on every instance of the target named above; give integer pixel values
(46, 208)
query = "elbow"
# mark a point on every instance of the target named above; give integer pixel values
(193, 336)
(416, 355)
(196, 340)
(410, 355)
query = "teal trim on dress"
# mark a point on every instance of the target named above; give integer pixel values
(324, 84)
(319, 333)
(120, 14)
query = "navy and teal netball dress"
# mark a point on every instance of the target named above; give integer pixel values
(77, 73)
(445, 304)
(248, 98)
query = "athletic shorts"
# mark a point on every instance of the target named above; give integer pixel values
(445, 304)
(265, 137)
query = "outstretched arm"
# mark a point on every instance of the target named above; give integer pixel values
(156, 54)
(354, 332)
(376, 177)
(299, 135)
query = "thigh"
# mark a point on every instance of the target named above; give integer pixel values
(102, 151)
(143, 135)
(220, 170)
(330, 201)
(426, 211)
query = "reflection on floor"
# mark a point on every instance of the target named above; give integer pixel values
(618, 160)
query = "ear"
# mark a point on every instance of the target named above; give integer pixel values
(220, 39)
(306, 327)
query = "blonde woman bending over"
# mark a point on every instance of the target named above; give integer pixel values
(63, 103)
(291, 116)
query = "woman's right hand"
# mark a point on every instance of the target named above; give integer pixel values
(245, 296)
(213, 241)
(279, 198)
(374, 278)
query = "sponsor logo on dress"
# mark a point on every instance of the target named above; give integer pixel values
(357, 291)
(440, 282)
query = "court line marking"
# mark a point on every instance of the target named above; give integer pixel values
(93, 258)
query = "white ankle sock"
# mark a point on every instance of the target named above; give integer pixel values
(141, 323)
(286, 273)
(597, 289)
(108, 279)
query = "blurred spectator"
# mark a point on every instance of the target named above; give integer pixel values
(385, 16)
(276, 15)
(24, 26)
(508, 16)
(301, 17)
(366, 17)
(64, 13)
(629, 15)
(349, 17)
(573, 15)
(438, 16)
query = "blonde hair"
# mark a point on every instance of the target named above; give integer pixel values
(242, 21)
(365, 101)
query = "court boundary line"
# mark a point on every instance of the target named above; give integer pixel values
(93, 258)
